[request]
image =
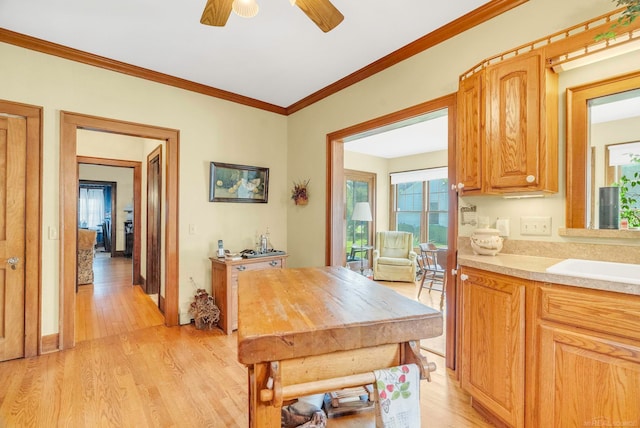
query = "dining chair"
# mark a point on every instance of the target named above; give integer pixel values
(433, 264)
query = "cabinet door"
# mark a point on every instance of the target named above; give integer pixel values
(587, 379)
(493, 343)
(514, 123)
(470, 138)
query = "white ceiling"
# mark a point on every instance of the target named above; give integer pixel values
(422, 135)
(279, 56)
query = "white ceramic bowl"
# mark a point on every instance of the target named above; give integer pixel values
(486, 242)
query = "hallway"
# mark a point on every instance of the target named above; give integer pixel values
(112, 305)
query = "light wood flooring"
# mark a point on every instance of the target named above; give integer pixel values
(155, 376)
(112, 305)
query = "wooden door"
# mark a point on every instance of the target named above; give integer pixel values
(154, 222)
(513, 123)
(470, 129)
(493, 343)
(13, 135)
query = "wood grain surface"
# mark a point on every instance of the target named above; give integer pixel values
(293, 313)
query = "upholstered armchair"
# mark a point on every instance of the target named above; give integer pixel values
(393, 257)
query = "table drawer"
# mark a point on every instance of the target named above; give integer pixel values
(267, 264)
(599, 311)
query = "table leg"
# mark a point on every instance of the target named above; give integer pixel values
(261, 414)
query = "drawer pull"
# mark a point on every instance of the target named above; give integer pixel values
(241, 268)
(273, 263)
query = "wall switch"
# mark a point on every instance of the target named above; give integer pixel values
(53, 233)
(192, 229)
(535, 225)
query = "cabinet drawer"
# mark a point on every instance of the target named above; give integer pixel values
(246, 267)
(598, 311)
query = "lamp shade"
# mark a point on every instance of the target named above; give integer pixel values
(361, 212)
(245, 8)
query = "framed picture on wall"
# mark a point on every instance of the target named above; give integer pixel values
(238, 183)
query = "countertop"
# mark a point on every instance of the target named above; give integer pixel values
(534, 268)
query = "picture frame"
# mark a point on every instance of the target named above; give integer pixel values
(238, 183)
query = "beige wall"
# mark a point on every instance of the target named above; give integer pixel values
(292, 147)
(210, 130)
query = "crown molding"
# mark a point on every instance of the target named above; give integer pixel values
(478, 16)
(43, 46)
(465, 22)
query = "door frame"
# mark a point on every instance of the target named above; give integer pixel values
(33, 224)
(137, 186)
(69, 124)
(335, 214)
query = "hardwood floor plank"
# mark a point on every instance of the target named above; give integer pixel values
(129, 370)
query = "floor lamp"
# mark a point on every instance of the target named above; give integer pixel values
(361, 213)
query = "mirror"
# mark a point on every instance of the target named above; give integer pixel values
(603, 135)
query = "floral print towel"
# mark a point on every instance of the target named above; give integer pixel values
(398, 394)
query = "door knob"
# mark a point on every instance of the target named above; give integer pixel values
(13, 261)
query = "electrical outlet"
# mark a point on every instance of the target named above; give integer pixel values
(530, 225)
(53, 232)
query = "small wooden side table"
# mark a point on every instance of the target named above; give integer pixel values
(224, 284)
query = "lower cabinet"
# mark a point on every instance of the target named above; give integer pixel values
(542, 355)
(493, 343)
(589, 358)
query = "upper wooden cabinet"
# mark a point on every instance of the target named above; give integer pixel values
(508, 128)
(470, 128)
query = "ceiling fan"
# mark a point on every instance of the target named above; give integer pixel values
(322, 12)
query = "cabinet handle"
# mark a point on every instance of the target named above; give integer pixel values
(460, 186)
(464, 277)
(530, 178)
(273, 263)
(241, 268)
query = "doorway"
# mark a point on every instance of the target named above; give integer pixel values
(360, 186)
(70, 124)
(335, 249)
(96, 205)
(154, 225)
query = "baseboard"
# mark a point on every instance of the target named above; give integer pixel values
(49, 343)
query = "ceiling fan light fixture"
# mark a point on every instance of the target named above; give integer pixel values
(245, 8)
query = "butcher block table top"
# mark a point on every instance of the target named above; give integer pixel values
(291, 313)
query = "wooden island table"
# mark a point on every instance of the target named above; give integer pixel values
(313, 330)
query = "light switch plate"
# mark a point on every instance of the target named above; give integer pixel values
(502, 224)
(532, 225)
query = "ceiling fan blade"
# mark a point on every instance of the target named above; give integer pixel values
(216, 12)
(322, 12)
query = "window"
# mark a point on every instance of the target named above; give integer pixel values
(91, 207)
(421, 202)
